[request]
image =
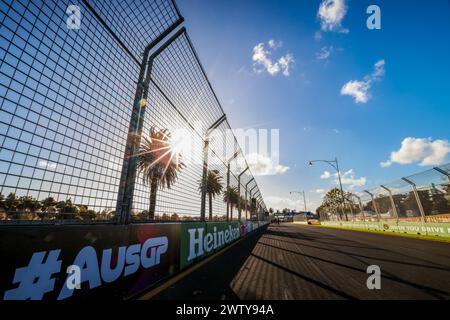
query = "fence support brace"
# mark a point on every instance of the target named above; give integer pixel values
(205, 166)
(246, 198)
(416, 195)
(360, 206)
(394, 208)
(374, 204)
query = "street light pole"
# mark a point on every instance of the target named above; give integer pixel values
(335, 164)
(304, 197)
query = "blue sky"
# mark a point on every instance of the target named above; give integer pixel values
(408, 97)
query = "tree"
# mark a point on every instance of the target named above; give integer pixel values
(231, 195)
(28, 206)
(158, 164)
(85, 213)
(11, 204)
(214, 187)
(333, 201)
(48, 207)
(48, 202)
(242, 201)
(3, 215)
(425, 199)
(253, 207)
(67, 210)
(440, 204)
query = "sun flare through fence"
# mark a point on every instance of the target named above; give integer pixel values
(112, 118)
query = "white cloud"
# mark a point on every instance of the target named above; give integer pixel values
(273, 44)
(262, 60)
(319, 191)
(285, 62)
(261, 165)
(347, 178)
(279, 203)
(47, 165)
(331, 13)
(324, 53)
(379, 70)
(425, 151)
(325, 175)
(359, 89)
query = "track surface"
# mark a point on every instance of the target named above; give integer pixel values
(306, 262)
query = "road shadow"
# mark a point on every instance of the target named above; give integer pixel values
(212, 280)
(280, 237)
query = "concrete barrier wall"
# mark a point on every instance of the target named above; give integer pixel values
(115, 261)
(431, 229)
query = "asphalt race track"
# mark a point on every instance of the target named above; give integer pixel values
(307, 262)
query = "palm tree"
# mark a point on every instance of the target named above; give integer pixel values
(158, 164)
(231, 195)
(252, 206)
(214, 187)
(242, 206)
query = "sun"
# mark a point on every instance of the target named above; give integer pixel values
(180, 142)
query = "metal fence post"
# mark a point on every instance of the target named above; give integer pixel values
(239, 193)
(416, 195)
(129, 167)
(374, 204)
(251, 201)
(360, 207)
(205, 167)
(204, 181)
(394, 208)
(445, 173)
(246, 199)
(228, 181)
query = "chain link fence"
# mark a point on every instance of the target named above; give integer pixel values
(422, 197)
(114, 121)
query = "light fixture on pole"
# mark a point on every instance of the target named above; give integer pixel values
(334, 163)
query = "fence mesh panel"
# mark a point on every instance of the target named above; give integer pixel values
(424, 196)
(136, 22)
(66, 100)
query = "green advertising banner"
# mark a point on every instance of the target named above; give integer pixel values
(431, 229)
(201, 239)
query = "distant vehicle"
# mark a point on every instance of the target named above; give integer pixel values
(313, 221)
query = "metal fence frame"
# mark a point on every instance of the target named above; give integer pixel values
(145, 79)
(412, 189)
